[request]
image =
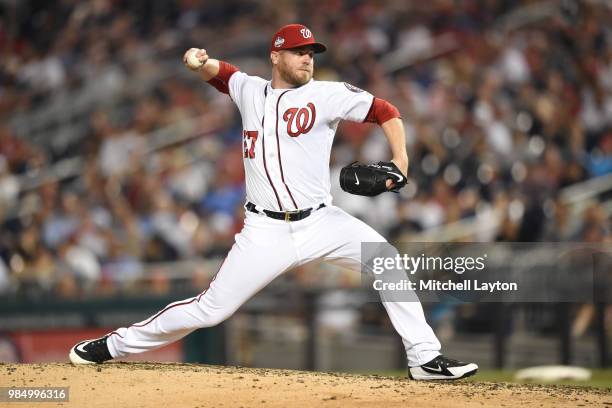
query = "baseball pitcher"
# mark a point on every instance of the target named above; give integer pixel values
(288, 125)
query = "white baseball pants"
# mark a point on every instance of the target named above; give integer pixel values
(264, 249)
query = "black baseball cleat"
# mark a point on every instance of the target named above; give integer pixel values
(90, 352)
(442, 368)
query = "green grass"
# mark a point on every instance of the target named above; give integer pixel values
(601, 378)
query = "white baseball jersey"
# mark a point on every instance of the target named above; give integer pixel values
(287, 140)
(288, 135)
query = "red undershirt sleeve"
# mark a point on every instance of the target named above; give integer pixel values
(381, 111)
(221, 80)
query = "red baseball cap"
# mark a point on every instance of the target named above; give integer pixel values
(293, 36)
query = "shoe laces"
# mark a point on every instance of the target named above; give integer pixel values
(96, 343)
(445, 361)
(98, 350)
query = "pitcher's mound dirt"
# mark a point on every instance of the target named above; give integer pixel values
(120, 385)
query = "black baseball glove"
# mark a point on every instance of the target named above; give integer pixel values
(371, 179)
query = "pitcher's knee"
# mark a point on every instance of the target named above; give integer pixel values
(211, 316)
(216, 318)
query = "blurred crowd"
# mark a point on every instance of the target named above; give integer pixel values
(505, 104)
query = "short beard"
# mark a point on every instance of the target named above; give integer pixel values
(292, 78)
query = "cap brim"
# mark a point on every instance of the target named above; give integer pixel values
(316, 47)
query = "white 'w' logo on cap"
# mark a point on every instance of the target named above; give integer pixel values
(306, 33)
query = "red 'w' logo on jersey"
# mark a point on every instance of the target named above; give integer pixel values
(300, 120)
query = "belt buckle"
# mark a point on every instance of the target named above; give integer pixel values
(289, 213)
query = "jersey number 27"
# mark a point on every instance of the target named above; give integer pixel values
(249, 137)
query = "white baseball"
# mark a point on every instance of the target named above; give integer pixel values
(192, 59)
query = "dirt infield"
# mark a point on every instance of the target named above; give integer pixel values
(184, 385)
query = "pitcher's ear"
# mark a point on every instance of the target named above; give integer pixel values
(274, 55)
